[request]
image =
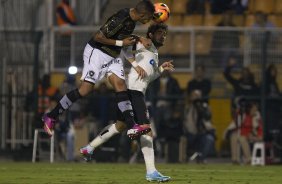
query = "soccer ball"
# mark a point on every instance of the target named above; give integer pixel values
(161, 12)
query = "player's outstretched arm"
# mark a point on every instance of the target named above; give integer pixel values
(166, 66)
(110, 28)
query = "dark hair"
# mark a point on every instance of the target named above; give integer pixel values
(146, 6)
(154, 27)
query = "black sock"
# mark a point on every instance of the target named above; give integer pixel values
(125, 107)
(66, 101)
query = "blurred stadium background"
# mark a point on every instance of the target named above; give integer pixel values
(33, 46)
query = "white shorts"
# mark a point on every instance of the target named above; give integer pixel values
(98, 64)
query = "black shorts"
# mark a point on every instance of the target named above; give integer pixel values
(141, 113)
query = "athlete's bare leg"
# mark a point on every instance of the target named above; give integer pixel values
(117, 83)
(85, 88)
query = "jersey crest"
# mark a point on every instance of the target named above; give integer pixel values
(152, 62)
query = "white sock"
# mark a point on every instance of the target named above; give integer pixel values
(104, 136)
(148, 152)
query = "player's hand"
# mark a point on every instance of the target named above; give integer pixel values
(141, 72)
(168, 65)
(128, 41)
(146, 42)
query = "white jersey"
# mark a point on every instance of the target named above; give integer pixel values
(148, 60)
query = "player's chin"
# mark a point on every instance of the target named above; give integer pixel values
(161, 43)
(145, 21)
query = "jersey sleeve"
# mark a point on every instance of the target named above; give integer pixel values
(128, 52)
(132, 51)
(113, 24)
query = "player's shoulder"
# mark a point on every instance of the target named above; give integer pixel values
(139, 46)
(123, 12)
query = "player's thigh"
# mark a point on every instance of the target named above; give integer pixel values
(95, 66)
(140, 109)
(116, 75)
(117, 83)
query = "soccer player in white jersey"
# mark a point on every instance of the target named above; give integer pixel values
(148, 60)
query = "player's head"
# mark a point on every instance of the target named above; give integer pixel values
(157, 33)
(144, 11)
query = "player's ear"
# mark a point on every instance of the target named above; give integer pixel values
(150, 35)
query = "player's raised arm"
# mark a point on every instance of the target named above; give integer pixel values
(166, 66)
(100, 37)
(112, 26)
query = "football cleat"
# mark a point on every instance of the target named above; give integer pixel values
(87, 155)
(137, 130)
(49, 124)
(156, 176)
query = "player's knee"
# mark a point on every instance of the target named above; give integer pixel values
(120, 126)
(118, 83)
(121, 86)
(85, 88)
(83, 91)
